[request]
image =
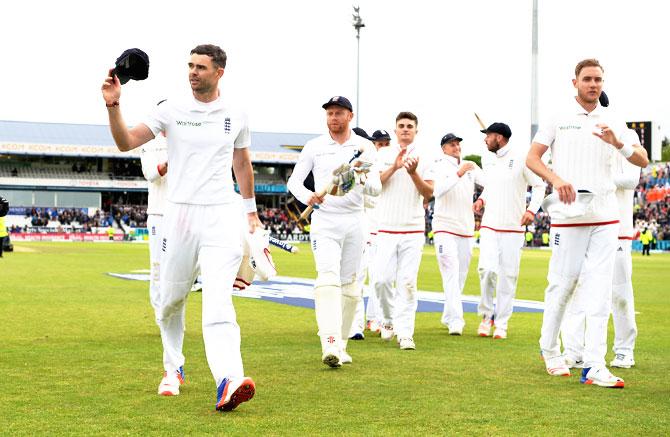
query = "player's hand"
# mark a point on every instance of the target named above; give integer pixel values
(254, 222)
(478, 205)
(411, 164)
(527, 218)
(608, 136)
(111, 88)
(566, 193)
(400, 159)
(465, 167)
(315, 199)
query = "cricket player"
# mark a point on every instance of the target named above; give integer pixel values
(206, 137)
(406, 182)
(337, 234)
(584, 140)
(502, 228)
(626, 179)
(380, 138)
(153, 156)
(454, 225)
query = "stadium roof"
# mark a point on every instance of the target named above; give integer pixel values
(38, 138)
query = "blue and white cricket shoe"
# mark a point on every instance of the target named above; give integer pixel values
(600, 376)
(232, 392)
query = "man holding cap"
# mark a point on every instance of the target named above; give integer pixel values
(336, 231)
(454, 225)
(205, 139)
(502, 228)
(584, 141)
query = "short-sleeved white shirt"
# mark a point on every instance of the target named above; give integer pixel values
(584, 160)
(200, 138)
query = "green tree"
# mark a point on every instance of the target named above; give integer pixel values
(474, 158)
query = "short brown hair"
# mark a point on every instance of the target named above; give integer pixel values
(407, 115)
(591, 62)
(215, 52)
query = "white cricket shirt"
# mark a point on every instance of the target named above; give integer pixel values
(399, 208)
(152, 154)
(453, 197)
(200, 141)
(322, 155)
(626, 179)
(507, 181)
(584, 160)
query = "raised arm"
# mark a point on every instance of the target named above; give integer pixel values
(125, 139)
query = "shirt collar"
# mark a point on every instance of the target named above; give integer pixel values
(579, 109)
(450, 159)
(198, 106)
(503, 151)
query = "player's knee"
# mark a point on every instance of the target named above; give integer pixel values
(327, 279)
(351, 290)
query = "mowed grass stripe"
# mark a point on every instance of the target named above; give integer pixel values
(81, 355)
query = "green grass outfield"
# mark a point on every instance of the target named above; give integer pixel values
(80, 354)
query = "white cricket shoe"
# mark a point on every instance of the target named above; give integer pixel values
(232, 392)
(170, 383)
(345, 358)
(623, 361)
(456, 330)
(387, 332)
(556, 366)
(574, 363)
(600, 376)
(331, 357)
(407, 344)
(485, 326)
(499, 334)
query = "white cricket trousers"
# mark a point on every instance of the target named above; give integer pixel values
(371, 310)
(155, 228)
(499, 258)
(583, 254)
(453, 255)
(623, 310)
(397, 260)
(211, 236)
(337, 245)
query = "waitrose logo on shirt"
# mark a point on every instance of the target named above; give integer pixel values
(188, 123)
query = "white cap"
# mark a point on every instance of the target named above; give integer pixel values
(559, 210)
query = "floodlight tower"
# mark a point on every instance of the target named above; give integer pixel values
(358, 24)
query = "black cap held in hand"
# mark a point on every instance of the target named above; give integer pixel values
(380, 135)
(361, 133)
(604, 100)
(132, 64)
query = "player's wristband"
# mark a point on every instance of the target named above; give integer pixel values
(249, 205)
(113, 104)
(627, 150)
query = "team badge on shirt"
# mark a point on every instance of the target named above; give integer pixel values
(226, 125)
(511, 163)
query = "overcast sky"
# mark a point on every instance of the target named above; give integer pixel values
(442, 60)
